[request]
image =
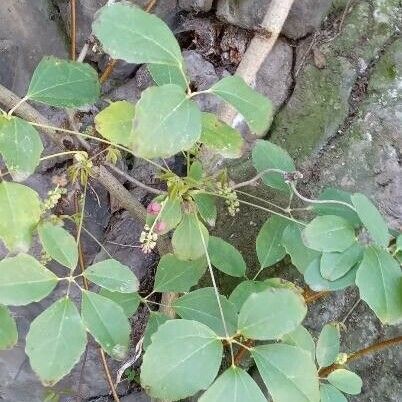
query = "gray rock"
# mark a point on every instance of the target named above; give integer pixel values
(304, 17)
(136, 397)
(196, 5)
(29, 33)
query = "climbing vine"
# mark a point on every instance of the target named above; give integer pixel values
(336, 241)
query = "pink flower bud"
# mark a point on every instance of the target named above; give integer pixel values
(160, 227)
(154, 208)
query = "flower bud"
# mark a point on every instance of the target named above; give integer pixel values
(160, 227)
(154, 208)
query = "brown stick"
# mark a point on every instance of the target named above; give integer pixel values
(73, 28)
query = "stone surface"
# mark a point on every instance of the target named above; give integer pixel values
(196, 5)
(304, 17)
(21, 49)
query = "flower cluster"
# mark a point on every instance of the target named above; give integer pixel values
(148, 239)
(231, 201)
(53, 197)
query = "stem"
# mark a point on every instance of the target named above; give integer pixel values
(211, 272)
(73, 29)
(133, 180)
(58, 154)
(257, 177)
(108, 376)
(17, 105)
(262, 200)
(313, 201)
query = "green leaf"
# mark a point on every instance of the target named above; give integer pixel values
(269, 241)
(301, 338)
(262, 314)
(300, 255)
(166, 122)
(59, 244)
(163, 74)
(288, 372)
(234, 385)
(129, 33)
(8, 329)
(206, 207)
(155, 320)
(24, 280)
(201, 305)
(171, 214)
(225, 257)
(129, 302)
(328, 345)
(174, 275)
(64, 83)
(372, 219)
(196, 171)
(187, 241)
(19, 214)
(221, 138)
(329, 233)
(244, 290)
(256, 109)
(115, 123)
(267, 155)
(379, 279)
(112, 275)
(187, 354)
(314, 279)
(345, 212)
(107, 323)
(346, 381)
(335, 265)
(20, 146)
(399, 243)
(55, 341)
(330, 394)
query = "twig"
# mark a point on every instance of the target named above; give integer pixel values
(133, 180)
(108, 376)
(256, 178)
(73, 29)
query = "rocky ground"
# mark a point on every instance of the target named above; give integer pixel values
(335, 77)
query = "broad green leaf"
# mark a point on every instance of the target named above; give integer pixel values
(329, 233)
(59, 244)
(187, 354)
(19, 214)
(166, 122)
(8, 329)
(129, 302)
(269, 241)
(20, 146)
(225, 257)
(300, 255)
(129, 33)
(24, 280)
(288, 372)
(343, 211)
(346, 381)
(174, 275)
(112, 275)
(399, 243)
(256, 109)
(267, 155)
(155, 320)
(189, 238)
(372, 219)
(55, 341)
(64, 83)
(206, 207)
(115, 123)
(170, 216)
(107, 323)
(201, 305)
(221, 138)
(330, 394)
(163, 74)
(262, 314)
(328, 345)
(196, 171)
(234, 385)
(244, 290)
(335, 265)
(301, 338)
(379, 279)
(314, 279)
